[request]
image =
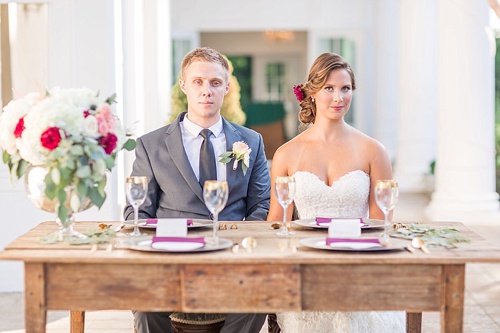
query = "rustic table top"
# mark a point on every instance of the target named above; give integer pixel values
(270, 248)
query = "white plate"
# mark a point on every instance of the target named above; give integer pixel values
(311, 223)
(320, 243)
(142, 244)
(197, 223)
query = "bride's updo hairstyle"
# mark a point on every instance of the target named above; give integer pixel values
(318, 74)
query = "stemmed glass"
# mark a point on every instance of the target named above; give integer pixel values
(285, 192)
(215, 194)
(386, 196)
(137, 189)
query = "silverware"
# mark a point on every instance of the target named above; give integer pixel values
(418, 243)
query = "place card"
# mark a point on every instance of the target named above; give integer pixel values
(171, 227)
(344, 228)
(330, 241)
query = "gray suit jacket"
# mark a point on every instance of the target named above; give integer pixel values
(173, 189)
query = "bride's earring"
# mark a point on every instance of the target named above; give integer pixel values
(312, 98)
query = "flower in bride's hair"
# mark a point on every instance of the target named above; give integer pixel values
(240, 152)
(299, 92)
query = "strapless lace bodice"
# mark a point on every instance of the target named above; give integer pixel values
(347, 197)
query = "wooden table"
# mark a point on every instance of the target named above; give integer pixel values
(276, 276)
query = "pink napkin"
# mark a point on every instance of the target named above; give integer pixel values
(157, 239)
(352, 240)
(154, 221)
(321, 221)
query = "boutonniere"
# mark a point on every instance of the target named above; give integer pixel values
(240, 152)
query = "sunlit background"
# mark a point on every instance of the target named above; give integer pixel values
(425, 73)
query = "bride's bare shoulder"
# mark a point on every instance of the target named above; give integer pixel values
(366, 141)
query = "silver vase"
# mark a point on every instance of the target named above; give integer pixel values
(35, 188)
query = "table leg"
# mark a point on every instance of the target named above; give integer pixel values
(35, 307)
(413, 322)
(77, 321)
(452, 303)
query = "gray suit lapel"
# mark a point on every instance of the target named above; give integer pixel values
(178, 155)
(232, 136)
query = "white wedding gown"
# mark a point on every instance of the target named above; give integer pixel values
(347, 197)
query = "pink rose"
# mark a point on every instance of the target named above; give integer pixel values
(106, 120)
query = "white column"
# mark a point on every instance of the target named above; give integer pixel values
(82, 54)
(416, 136)
(465, 168)
(144, 72)
(385, 75)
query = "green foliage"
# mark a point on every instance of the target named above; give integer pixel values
(446, 237)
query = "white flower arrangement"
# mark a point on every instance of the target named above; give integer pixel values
(240, 152)
(72, 133)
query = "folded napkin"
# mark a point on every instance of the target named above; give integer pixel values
(354, 243)
(330, 241)
(177, 243)
(154, 221)
(322, 221)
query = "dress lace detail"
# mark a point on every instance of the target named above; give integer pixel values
(347, 197)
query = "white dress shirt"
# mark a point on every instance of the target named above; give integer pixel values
(192, 141)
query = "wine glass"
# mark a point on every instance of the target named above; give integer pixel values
(215, 194)
(285, 192)
(137, 189)
(386, 196)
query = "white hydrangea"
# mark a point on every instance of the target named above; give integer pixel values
(9, 118)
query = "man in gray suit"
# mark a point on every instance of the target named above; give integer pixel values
(170, 158)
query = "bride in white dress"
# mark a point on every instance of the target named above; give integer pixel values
(335, 168)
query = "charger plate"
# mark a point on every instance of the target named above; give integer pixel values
(311, 223)
(144, 244)
(197, 223)
(320, 244)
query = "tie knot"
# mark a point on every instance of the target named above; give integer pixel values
(205, 133)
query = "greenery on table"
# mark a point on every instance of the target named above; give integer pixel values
(97, 236)
(433, 237)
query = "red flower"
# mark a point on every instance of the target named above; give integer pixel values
(50, 138)
(19, 128)
(299, 92)
(86, 113)
(108, 142)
